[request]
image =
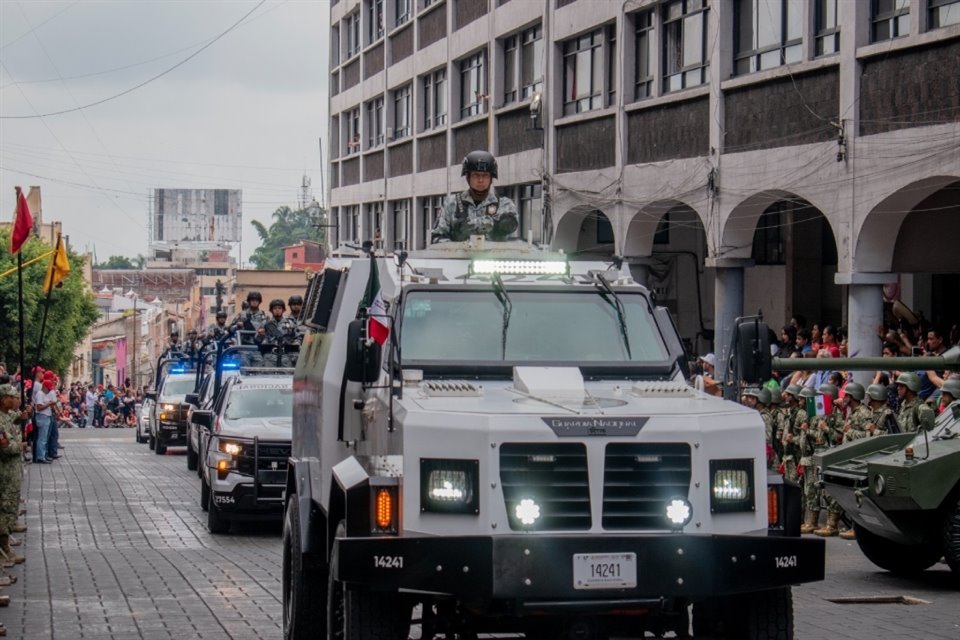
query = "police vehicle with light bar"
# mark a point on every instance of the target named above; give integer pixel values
(244, 442)
(168, 419)
(522, 454)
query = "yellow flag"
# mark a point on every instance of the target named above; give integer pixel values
(59, 267)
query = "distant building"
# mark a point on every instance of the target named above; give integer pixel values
(202, 218)
(305, 255)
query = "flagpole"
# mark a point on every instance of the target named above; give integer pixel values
(46, 307)
(23, 370)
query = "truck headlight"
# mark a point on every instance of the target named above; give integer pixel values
(731, 485)
(449, 486)
(231, 448)
(168, 407)
(678, 512)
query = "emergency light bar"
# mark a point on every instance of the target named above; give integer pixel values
(521, 267)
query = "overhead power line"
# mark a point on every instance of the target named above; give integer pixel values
(145, 82)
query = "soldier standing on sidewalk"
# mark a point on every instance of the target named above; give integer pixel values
(11, 468)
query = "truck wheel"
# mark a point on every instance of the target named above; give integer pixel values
(151, 442)
(354, 614)
(895, 557)
(204, 494)
(304, 587)
(951, 540)
(136, 435)
(217, 523)
(768, 615)
(191, 458)
(159, 449)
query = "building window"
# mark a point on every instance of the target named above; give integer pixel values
(435, 99)
(351, 216)
(583, 76)
(530, 210)
(351, 27)
(374, 227)
(768, 34)
(401, 112)
(431, 208)
(375, 122)
(352, 130)
(889, 19)
(401, 224)
(685, 59)
(827, 27)
(523, 64)
(768, 239)
(473, 85)
(943, 13)
(402, 11)
(374, 21)
(334, 46)
(643, 55)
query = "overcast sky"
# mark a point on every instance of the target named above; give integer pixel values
(245, 113)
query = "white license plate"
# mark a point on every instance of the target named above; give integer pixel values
(604, 570)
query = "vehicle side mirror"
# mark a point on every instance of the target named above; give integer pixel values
(192, 398)
(203, 419)
(753, 363)
(363, 356)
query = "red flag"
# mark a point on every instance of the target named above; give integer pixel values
(22, 223)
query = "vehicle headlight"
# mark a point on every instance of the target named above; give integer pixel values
(168, 407)
(731, 485)
(449, 486)
(231, 448)
(679, 512)
(879, 484)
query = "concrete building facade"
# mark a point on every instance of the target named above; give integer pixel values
(793, 156)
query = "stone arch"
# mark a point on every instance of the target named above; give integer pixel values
(574, 229)
(736, 239)
(879, 238)
(638, 237)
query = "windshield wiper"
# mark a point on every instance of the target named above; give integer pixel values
(501, 293)
(608, 294)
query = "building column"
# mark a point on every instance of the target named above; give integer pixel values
(727, 306)
(865, 308)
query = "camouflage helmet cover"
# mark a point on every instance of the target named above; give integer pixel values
(877, 392)
(855, 390)
(910, 380)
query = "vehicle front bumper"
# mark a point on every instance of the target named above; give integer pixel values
(172, 433)
(245, 500)
(532, 568)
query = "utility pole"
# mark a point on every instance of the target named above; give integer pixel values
(136, 354)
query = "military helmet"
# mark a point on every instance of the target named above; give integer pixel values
(221, 314)
(793, 390)
(877, 392)
(277, 302)
(480, 160)
(295, 299)
(910, 380)
(808, 392)
(752, 391)
(828, 389)
(952, 387)
(775, 397)
(854, 390)
(254, 295)
(764, 395)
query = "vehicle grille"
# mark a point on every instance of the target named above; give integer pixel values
(554, 476)
(638, 479)
(271, 456)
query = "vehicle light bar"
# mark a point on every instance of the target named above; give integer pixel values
(521, 267)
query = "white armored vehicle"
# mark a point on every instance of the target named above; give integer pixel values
(522, 455)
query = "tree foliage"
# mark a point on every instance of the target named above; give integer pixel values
(122, 262)
(72, 308)
(288, 227)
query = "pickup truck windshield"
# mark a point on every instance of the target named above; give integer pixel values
(259, 403)
(545, 326)
(178, 387)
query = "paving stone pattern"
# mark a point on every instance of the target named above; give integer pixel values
(117, 548)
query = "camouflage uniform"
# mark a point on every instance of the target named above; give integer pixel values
(770, 429)
(494, 218)
(278, 333)
(881, 417)
(11, 470)
(858, 421)
(915, 414)
(812, 439)
(792, 419)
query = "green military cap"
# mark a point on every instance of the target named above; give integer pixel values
(854, 390)
(8, 391)
(827, 389)
(951, 387)
(793, 390)
(764, 396)
(877, 392)
(807, 392)
(910, 380)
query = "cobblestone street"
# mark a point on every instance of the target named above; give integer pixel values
(117, 548)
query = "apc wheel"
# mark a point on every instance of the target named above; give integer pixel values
(217, 523)
(354, 614)
(192, 457)
(902, 559)
(204, 494)
(951, 540)
(304, 587)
